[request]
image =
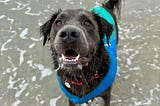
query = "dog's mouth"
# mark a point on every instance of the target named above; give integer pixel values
(70, 57)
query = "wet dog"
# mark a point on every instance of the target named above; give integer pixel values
(76, 38)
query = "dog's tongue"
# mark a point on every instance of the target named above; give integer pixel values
(67, 59)
(70, 56)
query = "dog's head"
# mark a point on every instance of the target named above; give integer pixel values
(75, 36)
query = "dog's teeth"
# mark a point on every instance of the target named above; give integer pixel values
(63, 57)
(69, 60)
(77, 57)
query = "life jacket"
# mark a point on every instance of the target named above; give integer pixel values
(111, 72)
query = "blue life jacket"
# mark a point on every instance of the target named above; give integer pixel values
(112, 52)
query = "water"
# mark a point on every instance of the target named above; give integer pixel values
(26, 75)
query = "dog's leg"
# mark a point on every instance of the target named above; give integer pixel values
(70, 103)
(106, 96)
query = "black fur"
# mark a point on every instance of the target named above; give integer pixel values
(45, 29)
(99, 62)
(99, 59)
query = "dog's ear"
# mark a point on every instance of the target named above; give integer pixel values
(104, 27)
(45, 29)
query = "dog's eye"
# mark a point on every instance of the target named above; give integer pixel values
(58, 22)
(87, 22)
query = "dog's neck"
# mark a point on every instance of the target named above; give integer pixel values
(93, 77)
(81, 82)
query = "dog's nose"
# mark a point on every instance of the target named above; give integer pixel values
(69, 35)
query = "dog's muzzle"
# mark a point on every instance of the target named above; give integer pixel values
(71, 40)
(69, 34)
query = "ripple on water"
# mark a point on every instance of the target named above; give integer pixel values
(26, 74)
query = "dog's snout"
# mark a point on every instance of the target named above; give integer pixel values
(69, 35)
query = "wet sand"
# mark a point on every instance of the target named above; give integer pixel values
(27, 77)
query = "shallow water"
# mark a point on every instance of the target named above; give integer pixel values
(26, 75)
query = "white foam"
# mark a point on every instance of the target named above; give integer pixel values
(32, 45)
(3, 48)
(139, 74)
(35, 39)
(146, 102)
(24, 33)
(42, 102)
(129, 61)
(11, 20)
(34, 78)
(28, 12)
(20, 6)
(4, 44)
(85, 104)
(156, 51)
(136, 37)
(126, 77)
(4, 1)
(124, 30)
(134, 85)
(27, 94)
(8, 70)
(37, 98)
(54, 100)
(135, 68)
(22, 87)
(154, 66)
(70, 1)
(11, 83)
(22, 52)
(134, 54)
(16, 103)
(30, 63)
(2, 16)
(40, 23)
(44, 71)
(116, 101)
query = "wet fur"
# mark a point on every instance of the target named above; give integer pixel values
(100, 60)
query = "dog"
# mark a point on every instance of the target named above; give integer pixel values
(83, 45)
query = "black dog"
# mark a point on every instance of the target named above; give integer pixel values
(76, 38)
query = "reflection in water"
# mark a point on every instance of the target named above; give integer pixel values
(26, 75)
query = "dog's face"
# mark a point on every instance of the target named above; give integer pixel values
(75, 36)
